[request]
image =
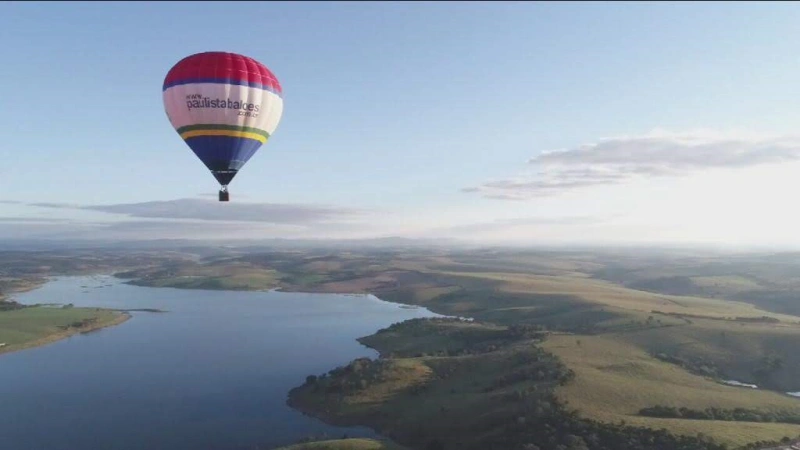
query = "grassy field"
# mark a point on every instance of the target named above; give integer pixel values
(565, 294)
(225, 277)
(495, 391)
(615, 379)
(372, 386)
(418, 400)
(33, 326)
(345, 444)
(605, 293)
(738, 351)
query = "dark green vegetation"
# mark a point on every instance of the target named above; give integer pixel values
(738, 414)
(152, 310)
(489, 396)
(567, 345)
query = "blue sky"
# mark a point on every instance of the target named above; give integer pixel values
(414, 119)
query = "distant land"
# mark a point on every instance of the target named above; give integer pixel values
(569, 349)
(388, 242)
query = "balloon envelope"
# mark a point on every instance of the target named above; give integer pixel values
(225, 106)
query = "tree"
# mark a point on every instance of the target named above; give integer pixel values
(576, 442)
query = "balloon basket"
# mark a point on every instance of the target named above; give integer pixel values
(224, 196)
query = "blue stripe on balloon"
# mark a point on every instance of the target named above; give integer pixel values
(223, 81)
(223, 152)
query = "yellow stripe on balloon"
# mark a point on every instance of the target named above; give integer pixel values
(229, 133)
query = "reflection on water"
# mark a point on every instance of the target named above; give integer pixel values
(211, 373)
(740, 384)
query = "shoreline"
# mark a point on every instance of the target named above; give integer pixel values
(55, 337)
(122, 316)
(30, 285)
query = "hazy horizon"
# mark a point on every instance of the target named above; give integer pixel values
(519, 124)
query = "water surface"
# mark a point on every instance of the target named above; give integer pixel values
(740, 384)
(212, 373)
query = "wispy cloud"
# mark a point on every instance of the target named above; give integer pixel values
(504, 225)
(57, 205)
(657, 154)
(190, 218)
(33, 220)
(136, 229)
(210, 210)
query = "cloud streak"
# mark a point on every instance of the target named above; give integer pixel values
(506, 225)
(659, 154)
(143, 229)
(32, 220)
(208, 210)
(191, 218)
(499, 225)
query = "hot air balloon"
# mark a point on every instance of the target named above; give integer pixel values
(225, 106)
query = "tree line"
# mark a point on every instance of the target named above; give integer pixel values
(731, 415)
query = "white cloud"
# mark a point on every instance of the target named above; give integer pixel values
(658, 154)
(211, 210)
(33, 220)
(190, 218)
(173, 229)
(501, 226)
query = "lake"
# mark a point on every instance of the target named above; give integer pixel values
(212, 373)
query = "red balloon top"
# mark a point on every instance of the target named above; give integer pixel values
(222, 67)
